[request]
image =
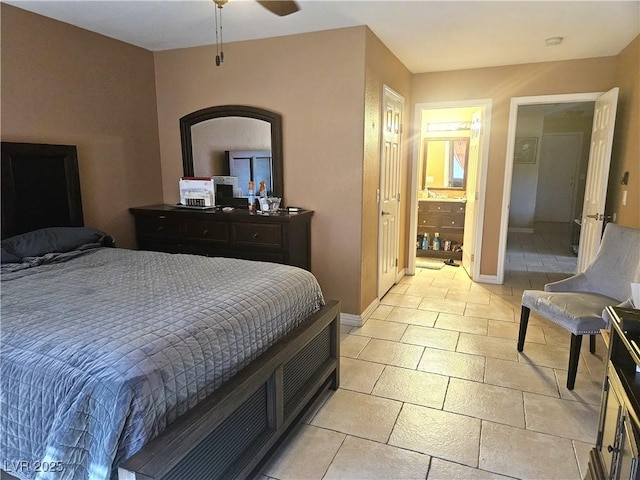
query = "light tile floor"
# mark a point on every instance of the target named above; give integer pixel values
(432, 385)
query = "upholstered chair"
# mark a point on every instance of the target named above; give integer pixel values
(577, 303)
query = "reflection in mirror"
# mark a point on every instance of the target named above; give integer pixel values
(234, 140)
(211, 140)
(444, 163)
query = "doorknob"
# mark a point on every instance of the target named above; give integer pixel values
(595, 216)
(385, 213)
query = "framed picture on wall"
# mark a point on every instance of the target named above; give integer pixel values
(525, 150)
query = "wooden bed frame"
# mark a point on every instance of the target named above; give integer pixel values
(232, 432)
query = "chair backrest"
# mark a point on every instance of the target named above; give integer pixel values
(617, 262)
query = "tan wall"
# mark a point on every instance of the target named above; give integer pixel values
(316, 82)
(501, 84)
(100, 97)
(626, 148)
(382, 68)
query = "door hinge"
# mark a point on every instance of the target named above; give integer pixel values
(398, 197)
(396, 262)
(473, 257)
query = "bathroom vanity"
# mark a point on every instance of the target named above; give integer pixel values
(446, 217)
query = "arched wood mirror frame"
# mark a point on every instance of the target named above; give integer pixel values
(221, 111)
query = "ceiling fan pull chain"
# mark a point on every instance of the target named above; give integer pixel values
(215, 12)
(221, 39)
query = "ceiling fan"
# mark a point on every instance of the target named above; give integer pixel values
(282, 8)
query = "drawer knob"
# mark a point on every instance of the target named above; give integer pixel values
(160, 228)
(205, 231)
(255, 235)
(162, 217)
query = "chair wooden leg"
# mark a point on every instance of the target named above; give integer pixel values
(524, 321)
(574, 357)
(592, 343)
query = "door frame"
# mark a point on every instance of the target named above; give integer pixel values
(516, 102)
(486, 105)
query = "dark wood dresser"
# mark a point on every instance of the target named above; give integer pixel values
(445, 217)
(280, 238)
(616, 456)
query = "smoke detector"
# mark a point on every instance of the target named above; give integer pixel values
(553, 41)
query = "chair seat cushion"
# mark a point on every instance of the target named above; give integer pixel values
(579, 313)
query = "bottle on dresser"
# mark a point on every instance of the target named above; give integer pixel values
(252, 197)
(436, 241)
(425, 241)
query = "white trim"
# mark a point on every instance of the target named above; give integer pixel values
(352, 320)
(369, 310)
(486, 104)
(508, 162)
(489, 279)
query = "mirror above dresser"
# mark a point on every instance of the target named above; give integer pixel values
(236, 140)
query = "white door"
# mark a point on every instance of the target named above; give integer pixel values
(469, 239)
(595, 193)
(559, 158)
(390, 163)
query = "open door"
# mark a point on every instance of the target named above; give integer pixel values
(389, 204)
(595, 194)
(469, 242)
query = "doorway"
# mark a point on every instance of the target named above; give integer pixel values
(446, 120)
(539, 221)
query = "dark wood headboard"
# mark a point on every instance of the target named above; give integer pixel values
(40, 187)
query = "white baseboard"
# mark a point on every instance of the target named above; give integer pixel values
(520, 230)
(351, 320)
(493, 279)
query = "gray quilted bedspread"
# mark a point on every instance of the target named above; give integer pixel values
(101, 352)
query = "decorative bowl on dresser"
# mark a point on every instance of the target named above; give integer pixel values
(280, 238)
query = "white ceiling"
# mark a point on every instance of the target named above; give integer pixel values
(425, 35)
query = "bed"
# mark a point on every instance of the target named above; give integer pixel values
(138, 365)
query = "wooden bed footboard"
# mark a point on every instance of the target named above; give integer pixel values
(230, 434)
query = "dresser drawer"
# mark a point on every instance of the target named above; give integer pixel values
(459, 208)
(206, 230)
(255, 234)
(452, 221)
(427, 220)
(439, 207)
(158, 226)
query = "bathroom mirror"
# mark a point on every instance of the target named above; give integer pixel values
(444, 163)
(211, 136)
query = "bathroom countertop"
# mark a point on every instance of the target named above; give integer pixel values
(456, 200)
